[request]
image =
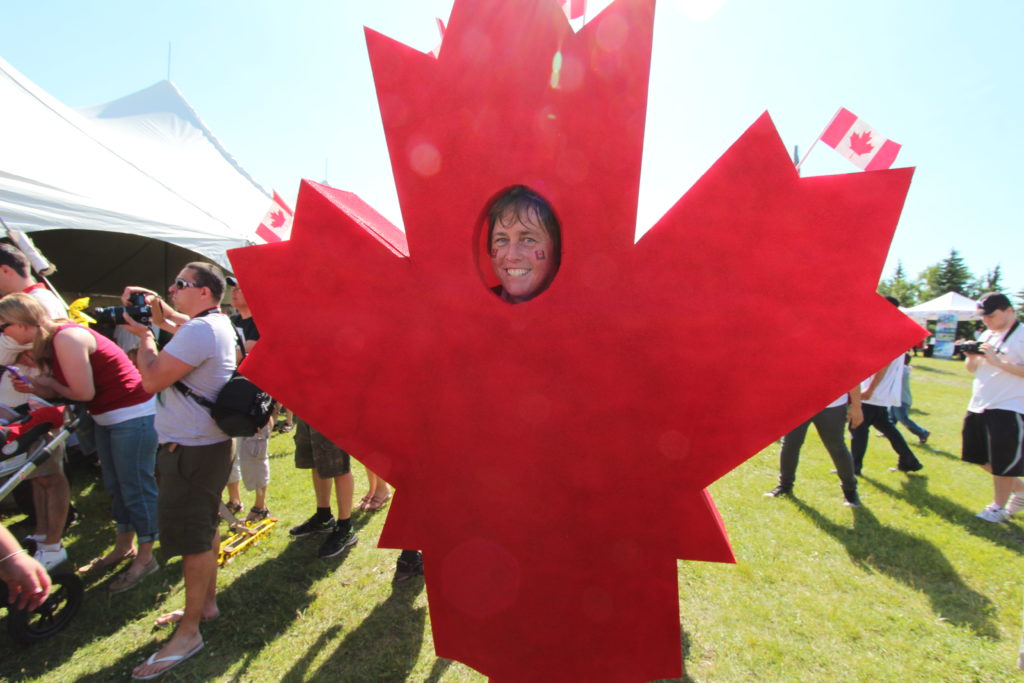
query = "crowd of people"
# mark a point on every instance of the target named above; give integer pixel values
(992, 432)
(166, 464)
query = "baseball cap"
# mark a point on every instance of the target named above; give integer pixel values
(992, 302)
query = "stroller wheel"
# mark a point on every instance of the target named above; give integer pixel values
(53, 615)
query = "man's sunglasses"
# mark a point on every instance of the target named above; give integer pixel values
(185, 284)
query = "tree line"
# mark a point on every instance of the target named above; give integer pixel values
(950, 274)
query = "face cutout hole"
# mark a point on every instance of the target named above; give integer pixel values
(523, 244)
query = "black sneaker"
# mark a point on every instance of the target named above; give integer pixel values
(407, 568)
(336, 542)
(313, 526)
(852, 499)
(780, 490)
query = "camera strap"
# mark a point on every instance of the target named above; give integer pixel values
(1002, 342)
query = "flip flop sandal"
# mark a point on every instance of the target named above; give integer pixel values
(127, 580)
(101, 562)
(377, 502)
(257, 514)
(174, 660)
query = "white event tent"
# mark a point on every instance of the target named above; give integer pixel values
(120, 193)
(949, 303)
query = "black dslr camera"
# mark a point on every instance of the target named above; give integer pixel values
(139, 310)
(971, 347)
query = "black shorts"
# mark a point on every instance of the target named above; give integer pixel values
(997, 437)
(313, 450)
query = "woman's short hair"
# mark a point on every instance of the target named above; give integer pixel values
(522, 202)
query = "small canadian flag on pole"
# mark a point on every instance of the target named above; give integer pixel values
(858, 142)
(277, 224)
(574, 9)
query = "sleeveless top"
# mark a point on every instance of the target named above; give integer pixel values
(117, 381)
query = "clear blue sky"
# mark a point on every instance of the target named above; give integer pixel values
(287, 88)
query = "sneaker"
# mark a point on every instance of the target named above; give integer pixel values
(50, 558)
(407, 568)
(1016, 503)
(924, 438)
(994, 513)
(313, 526)
(779, 490)
(908, 469)
(852, 499)
(336, 542)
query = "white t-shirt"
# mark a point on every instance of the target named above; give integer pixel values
(889, 390)
(841, 401)
(996, 388)
(207, 344)
(54, 307)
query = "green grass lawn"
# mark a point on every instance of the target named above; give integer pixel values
(909, 587)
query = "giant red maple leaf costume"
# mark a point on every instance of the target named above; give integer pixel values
(551, 457)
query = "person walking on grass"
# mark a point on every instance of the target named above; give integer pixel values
(993, 431)
(830, 424)
(901, 413)
(878, 393)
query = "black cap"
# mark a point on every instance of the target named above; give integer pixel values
(992, 302)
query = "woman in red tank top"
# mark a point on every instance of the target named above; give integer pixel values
(81, 365)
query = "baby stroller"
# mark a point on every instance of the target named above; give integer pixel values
(27, 445)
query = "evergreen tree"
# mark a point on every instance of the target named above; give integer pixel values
(991, 281)
(928, 282)
(953, 275)
(900, 287)
(1020, 300)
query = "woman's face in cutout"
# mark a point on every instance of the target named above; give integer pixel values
(522, 254)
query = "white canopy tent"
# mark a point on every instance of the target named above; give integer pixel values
(113, 178)
(948, 303)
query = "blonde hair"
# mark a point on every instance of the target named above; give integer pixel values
(24, 309)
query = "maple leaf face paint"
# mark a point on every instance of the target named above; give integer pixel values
(519, 248)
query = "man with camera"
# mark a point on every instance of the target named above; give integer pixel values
(194, 458)
(51, 492)
(993, 431)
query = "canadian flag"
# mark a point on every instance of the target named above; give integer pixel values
(277, 224)
(574, 9)
(858, 142)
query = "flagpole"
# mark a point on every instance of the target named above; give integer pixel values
(808, 152)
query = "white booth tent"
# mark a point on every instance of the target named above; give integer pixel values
(126, 190)
(949, 303)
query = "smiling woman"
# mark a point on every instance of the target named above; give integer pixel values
(525, 243)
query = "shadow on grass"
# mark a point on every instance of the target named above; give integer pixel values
(913, 561)
(101, 613)
(931, 450)
(914, 490)
(684, 640)
(383, 647)
(256, 607)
